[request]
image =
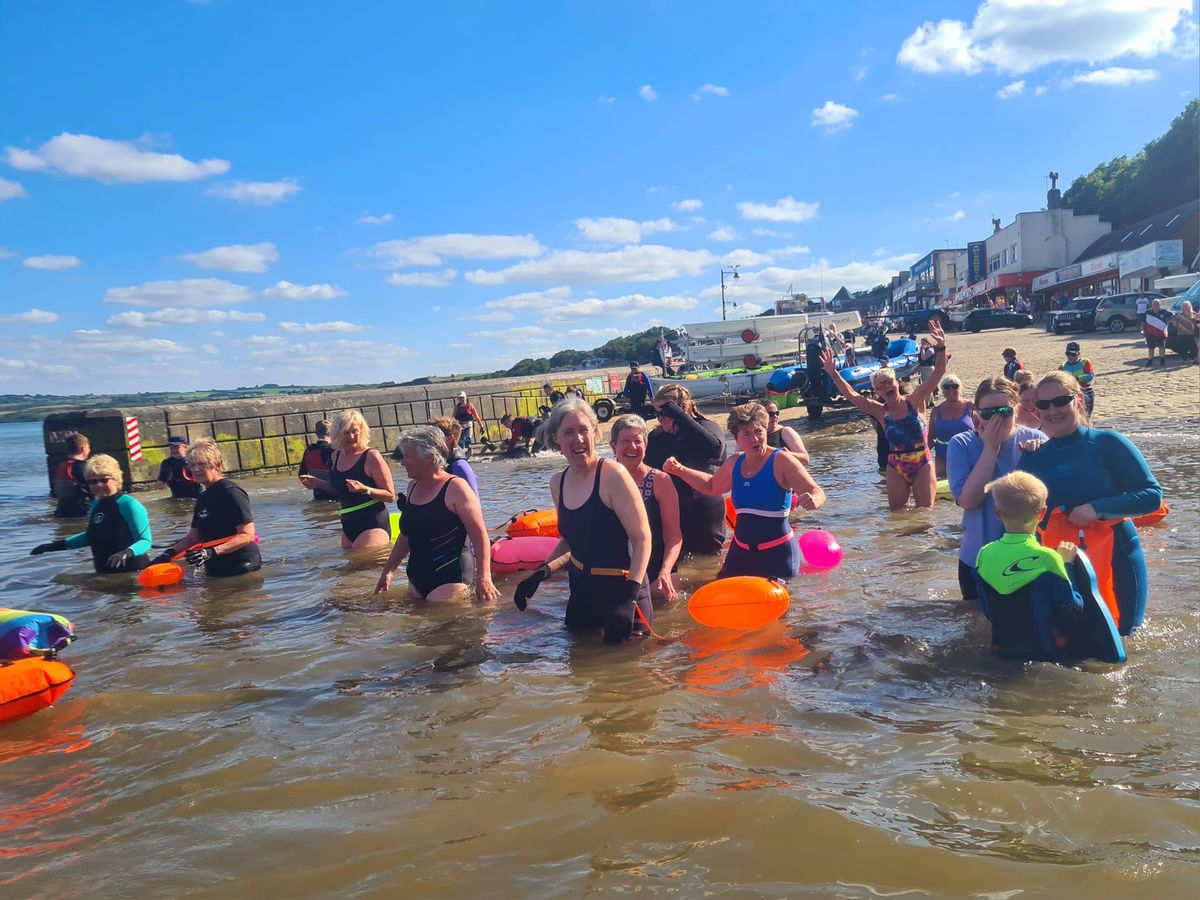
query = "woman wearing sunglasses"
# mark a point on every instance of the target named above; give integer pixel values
(1095, 476)
(118, 529)
(974, 458)
(909, 467)
(950, 417)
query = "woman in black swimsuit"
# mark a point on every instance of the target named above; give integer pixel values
(604, 528)
(442, 512)
(361, 480)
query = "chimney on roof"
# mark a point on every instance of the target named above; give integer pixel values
(1054, 195)
(995, 226)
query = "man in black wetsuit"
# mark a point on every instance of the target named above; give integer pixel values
(638, 389)
(174, 474)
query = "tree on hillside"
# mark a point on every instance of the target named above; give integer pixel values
(1164, 174)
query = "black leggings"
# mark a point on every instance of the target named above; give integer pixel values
(596, 602)
(966, 581)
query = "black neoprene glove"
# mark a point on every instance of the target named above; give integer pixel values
(164, 557)
(52, 547)
(200, 555)
(528, 586)
(401, 500)
(120, 559)
(618, 624)
(671, 410)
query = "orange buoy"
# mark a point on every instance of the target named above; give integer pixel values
(749, 336)
(521, 554)
(741, 602)
(27, 685)
(1152, 518)
(535, 523)
(160, 575)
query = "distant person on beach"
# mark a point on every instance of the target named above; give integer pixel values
(1182, 331)
(1084, 372)
(638, 389)
(70, 486)
(360, 478)
(441, 514)
(1012, 365)
(466, 415)
(523, 432)
(222, 514)
(1154, 327)
(318, 459)
(973, 458)
(925, 361)
(118, 529)
(909, 468)
(174, 474)
(760, 480)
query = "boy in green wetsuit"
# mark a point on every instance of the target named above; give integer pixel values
(1024, 588)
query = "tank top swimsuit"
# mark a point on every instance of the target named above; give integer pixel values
(775, 439)
(600, 558)
(654, 514)
(906, 438)
(948, 428)
(436, 537)
(763, 543)
(358, 514)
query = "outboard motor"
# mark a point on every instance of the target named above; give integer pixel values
(817, 380)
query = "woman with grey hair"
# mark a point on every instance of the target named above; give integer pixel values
(359, 477)
(441, 513)
(604, 528)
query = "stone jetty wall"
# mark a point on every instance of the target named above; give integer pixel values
(269, 434)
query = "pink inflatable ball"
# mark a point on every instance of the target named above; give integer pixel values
(820, 549)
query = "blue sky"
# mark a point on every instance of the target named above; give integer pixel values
(226, 193)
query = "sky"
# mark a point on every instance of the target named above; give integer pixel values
(227, 193)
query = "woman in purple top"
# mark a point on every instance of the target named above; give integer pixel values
(950, 417)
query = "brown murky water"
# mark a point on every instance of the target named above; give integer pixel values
(294, 736)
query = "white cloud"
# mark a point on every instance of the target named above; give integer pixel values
(422, 279)
(30, 367)
(957, 216)
(723, 233)
(171, 316)
(746, 258)
(30, 317)
(265, 340)
(833, 117)
(1019, 36)
(285, 290)
(689, 205)
(5, 253)
(786, 209)
(498, 316)
(859, 72)
(606, 99)
(1015, 89)
(647, 93)
(319, 327)
(715, 89)
(518, 335)
(106, 344)
(185, 293)
(366, 219)
(648, 262)
(615, 230)
(433, 250)
(888, 98)
(235, 257)
(558, 305)
(594, 333)
(770, 232)
(797, 250)
(258, 193)
(1114, 76)
(85, 156)
(1039, 90)
(50, 263)
(11, 190)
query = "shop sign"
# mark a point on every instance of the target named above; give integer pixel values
(1158, 254)
(976, 261)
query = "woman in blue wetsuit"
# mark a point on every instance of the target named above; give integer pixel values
(604, 530)
(361, 480)
(118, 529)
(761, 480)
(440, 515)
(909, 469)
(1095, 475)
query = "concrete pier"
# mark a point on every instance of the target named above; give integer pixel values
(269, 434)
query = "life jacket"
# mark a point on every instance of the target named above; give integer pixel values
(66, 485)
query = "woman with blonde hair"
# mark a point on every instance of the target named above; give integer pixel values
(440, 515)
(697, 443)
(1182, 332)
(761, 480)
(361, 480)
(118, 529)
(950, 417)
(604, 528)
(903, 419)
(1095, 476)
(222, 514)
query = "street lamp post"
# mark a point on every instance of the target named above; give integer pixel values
(732, 270)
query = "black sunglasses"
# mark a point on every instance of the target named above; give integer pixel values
(1005, 412)
(99, 480)
(1064, 400)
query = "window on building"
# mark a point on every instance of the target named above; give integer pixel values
(1014, 252)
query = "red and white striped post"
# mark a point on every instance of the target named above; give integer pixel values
(133, 438)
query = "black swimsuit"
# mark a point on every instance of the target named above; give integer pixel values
(600, 560)
(358, 515)
(436, 537)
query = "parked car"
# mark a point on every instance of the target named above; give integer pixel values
(1117, 312)
(1080, 315)
(979, 319)
(1192, 295)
